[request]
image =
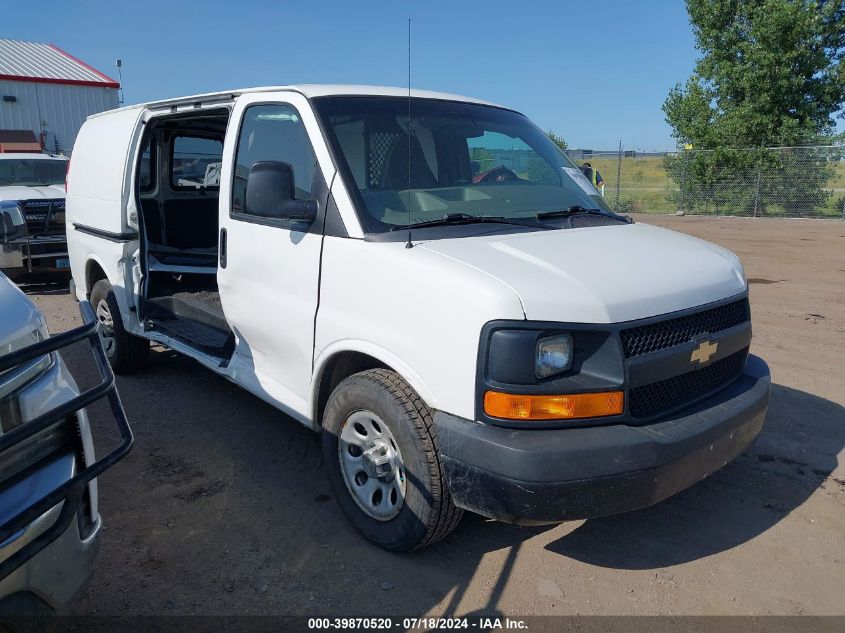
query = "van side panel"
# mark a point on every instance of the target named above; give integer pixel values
(98, 188)
(392, 303)
(98, 179)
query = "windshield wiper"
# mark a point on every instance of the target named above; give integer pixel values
(563, 213)
(466, 218)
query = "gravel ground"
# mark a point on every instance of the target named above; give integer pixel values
(223, 507)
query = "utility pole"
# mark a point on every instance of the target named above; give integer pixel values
(119, 64)
(618, 177)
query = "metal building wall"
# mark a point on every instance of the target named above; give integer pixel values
(59, 108)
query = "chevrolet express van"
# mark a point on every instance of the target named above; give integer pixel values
(50, 525)
(430, 283)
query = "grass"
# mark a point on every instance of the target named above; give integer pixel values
(636, 172)
(647, 188)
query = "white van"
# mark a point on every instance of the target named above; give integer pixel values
(429, 282)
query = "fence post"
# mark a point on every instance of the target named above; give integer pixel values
(757, 186)
(682, 198)
(618, 177)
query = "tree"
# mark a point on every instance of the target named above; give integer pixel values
(771, 73)
(557, 140)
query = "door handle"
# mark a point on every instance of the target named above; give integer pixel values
(222, 248)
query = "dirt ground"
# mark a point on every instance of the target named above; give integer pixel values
(222, 507)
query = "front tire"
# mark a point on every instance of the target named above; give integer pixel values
(126, 353)
(380, 451)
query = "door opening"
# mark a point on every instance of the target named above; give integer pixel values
(177, 189)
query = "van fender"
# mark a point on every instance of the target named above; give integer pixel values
(115, 273)
(83, 288)
(380, 354)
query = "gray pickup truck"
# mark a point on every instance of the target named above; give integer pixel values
(50, 525)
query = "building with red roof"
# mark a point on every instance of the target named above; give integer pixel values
(48, 92)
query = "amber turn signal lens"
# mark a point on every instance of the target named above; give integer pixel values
(572, 406)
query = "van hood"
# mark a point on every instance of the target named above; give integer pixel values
(606, 274)
(41, 192)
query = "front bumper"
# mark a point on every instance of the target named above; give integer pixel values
(62, 497)
(58, 573)
(46, 253)
(536, 476)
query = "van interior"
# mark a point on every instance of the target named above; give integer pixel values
(177, 189)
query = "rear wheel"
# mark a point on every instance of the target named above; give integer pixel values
(380, 451)
(126, 353)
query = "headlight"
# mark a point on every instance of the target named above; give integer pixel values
(553, 356)
(13, 379)
(12, 221)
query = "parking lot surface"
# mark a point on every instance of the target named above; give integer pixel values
(223, 505)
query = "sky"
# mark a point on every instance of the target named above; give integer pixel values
(596, 72)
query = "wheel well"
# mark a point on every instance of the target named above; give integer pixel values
(93, 274)
(339, 367)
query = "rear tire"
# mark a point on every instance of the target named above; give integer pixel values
(126, 353)
(426, 512)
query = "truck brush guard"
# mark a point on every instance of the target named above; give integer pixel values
(44, 217)
(69, 493)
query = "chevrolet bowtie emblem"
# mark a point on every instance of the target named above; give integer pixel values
(703, 352)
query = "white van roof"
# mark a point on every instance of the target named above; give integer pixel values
(309, 90)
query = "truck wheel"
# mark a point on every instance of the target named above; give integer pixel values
(126, 353)
(380, 451)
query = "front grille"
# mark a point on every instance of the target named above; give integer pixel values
(664, 334)
(649, 400)
(44, 217)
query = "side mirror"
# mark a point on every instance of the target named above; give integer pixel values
(270, 193)
(12, 223)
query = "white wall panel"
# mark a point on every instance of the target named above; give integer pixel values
(58, 108)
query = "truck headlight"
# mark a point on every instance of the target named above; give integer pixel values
(553, 355)
(17, 377)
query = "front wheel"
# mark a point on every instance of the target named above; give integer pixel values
(380, 451)
(126, 353)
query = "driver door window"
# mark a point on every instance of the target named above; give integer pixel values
(273, 132)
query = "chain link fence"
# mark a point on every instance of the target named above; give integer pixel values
(795, 182)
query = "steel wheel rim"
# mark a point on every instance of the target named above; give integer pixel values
(106, 329)
(371, 465)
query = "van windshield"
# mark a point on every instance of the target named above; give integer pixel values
(32, 172)
(458, 160)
